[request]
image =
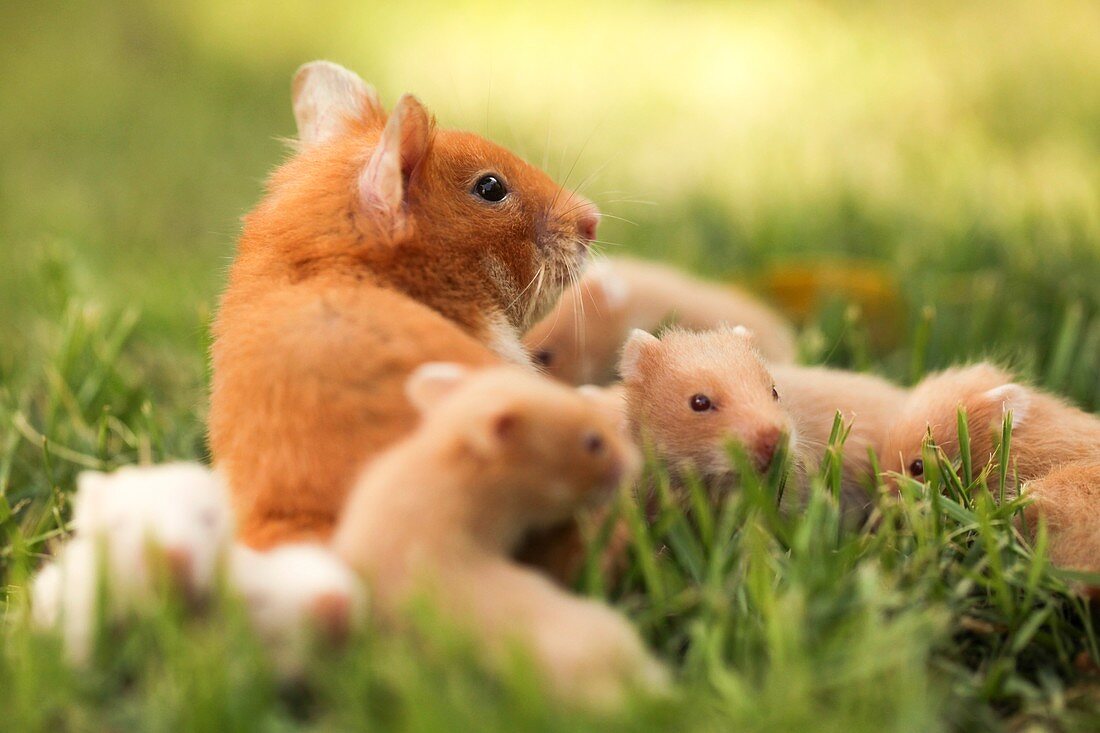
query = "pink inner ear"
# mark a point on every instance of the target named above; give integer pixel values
(1011, 398)
(401, 148)
(631, 360)
(381, 183)
(416, 135)
(327, 96)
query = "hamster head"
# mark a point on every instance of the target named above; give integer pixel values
(545, 449)
(445, 216)
(986, 392)
(693, 393)
(579, 340)
(180, 508)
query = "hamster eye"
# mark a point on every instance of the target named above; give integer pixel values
(916, 468)
(700, 403)
(490, 188)
(775, 393)
(544, 357)
(593, 443)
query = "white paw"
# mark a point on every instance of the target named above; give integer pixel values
(296, 593)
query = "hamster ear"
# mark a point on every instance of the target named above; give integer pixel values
(326, 97)
(497, 428)
(634, 351)
(1010, 398)
(383, 184)
(742, 332)
(429, 383)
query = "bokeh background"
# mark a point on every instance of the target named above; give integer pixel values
(917, 183)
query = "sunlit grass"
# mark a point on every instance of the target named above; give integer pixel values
(935, 616)
(916, 184)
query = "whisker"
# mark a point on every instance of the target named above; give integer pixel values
(526, 288)
(546, 146)
(553, 327)
(576, 160)
(644, 202)
(536, 300)
(618, 218)
(591, 176)
(578, 310)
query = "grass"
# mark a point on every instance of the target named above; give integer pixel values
(939, 618)
(917, 186)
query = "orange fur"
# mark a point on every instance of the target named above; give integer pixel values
(1047, 431)
(1055, 450)
(579, 341)
(498, 454)
(368, 256)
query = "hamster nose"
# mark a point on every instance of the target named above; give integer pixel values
(587, 224)
(766, 445)
(587, 216)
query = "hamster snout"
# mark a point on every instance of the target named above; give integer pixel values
(573, 220)
(765, 444)
(621, 464)
(587, 223)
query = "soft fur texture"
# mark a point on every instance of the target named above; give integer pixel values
(369, 256)
(1068, 500)
(1055, 448)
(125, 523)
(179, 510)
(63, 598)
(294, 594)
(579, 341)
(499, 453)
(812, 396)
(662, 375)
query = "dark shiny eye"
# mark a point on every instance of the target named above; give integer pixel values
(544, 357)
(700, 403)
(916, 468)
(490, 188)
(593, 443)
(775, 393)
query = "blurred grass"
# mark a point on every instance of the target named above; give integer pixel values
(917, 183)
(957, 146)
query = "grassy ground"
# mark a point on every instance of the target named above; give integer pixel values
(916, 186)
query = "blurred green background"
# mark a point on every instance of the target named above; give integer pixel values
(915, 183)
(906, 154)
